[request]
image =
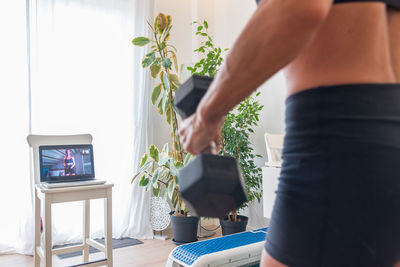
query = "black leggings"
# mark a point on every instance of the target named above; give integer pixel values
(338, 199)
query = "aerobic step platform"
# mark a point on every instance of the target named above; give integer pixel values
(243, 249)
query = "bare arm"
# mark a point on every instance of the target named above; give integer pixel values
(274, 36)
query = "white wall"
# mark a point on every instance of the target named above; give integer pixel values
(226, 18)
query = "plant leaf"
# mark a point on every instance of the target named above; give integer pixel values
(166, 63)
(154, 153)
(148, 163)
(159, 107)
(141, 41)
(206, 24)
(173, 47)
(155, 70)
(165, 33)
(164, 101)
(188, 157)
(171, 188)
(148, 59)
(163, 158)
(174, 80)
(134, 178)
(155, 176)
(175, 60)
(178, 165)
(184, 206)
(144, 180)
(156, 191)
(169, 19)
(156, 93)
(165, 148)
(143, 160)
(165, 81)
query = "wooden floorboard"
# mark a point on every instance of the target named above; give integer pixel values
(152, 253)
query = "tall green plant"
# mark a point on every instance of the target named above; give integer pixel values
(159, 167)
(238, 125)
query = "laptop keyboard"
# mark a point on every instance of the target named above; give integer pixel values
(70, 184)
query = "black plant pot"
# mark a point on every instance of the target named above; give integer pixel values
(230, 227)
(184, 228)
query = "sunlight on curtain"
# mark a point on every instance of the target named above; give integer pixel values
(15, 195)
(86, 78)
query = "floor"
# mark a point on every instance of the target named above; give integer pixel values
(152, 253)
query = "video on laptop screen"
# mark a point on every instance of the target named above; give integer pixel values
(67, 162)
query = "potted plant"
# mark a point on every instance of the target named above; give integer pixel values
(159, 167)
(236, 131)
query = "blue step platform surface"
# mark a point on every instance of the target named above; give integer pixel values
(187, 255)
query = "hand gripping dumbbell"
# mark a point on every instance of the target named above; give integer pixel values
(211, 185)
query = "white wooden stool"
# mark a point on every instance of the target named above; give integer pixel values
(45, 197)
(67, 194)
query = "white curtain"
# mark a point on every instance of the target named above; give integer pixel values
(15, 194)
(86, 78)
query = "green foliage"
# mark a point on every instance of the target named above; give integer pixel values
(148, 59)
(211, 55)
(236, 133)
(159, 172)
(141, 41)
(159, 168)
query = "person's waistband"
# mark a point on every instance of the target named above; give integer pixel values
(349, 88)
(368, 112)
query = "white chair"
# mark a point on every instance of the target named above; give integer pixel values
(47, 197)
(271, 171)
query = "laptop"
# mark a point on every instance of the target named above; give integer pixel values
(67, 165)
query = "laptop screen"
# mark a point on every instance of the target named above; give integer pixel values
(66, 163)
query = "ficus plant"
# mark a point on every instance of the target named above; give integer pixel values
(159, 167)
(239, 123)
(235, 136)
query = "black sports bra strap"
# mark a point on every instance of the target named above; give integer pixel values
(392, 3)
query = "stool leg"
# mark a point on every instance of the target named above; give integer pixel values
(86, 229)
(47, 231)
(37, 230)
(108, 227)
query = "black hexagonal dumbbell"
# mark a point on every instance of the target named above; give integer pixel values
(211, 185)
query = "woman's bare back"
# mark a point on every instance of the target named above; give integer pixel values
(358, 43)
